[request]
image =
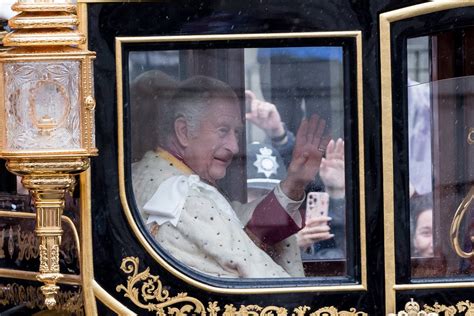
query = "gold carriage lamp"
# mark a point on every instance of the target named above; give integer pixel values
(47, 116)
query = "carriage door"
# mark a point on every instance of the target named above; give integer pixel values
(427, 121)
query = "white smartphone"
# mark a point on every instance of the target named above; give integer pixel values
(317, 204)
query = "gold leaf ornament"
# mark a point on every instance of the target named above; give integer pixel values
(213, 308)
(300, 310)
(440, 308)
(466, 306)
(146, 291)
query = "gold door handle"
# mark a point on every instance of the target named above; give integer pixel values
(456, 225)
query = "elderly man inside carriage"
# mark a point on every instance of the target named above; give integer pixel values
(176, 187)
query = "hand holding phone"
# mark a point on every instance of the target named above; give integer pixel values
(317, 205)
(317, 228)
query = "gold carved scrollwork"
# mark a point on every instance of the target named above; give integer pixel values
(26, 242)
(300, 310)
(14, 294)
(252, 310)
(43, 253)
(146, 291)
(440, 308)
(461, 308)
(55, 257)
(28, 246)
(151, 295)
(256, 310)
(466, 306)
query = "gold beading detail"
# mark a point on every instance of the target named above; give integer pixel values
(44, 24)
(42, 6)
(41, 38)
(26, 166)
(90, 104)
(60, 21)
(147, 292)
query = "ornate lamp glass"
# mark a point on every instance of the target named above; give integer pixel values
(47, 114)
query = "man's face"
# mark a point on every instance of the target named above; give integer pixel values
(215, 142)
(423, 240)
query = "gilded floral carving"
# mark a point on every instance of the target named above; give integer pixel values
(146, 291)
(440, 308)
(466, 306)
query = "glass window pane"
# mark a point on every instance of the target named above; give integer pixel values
(221, 177)
(440, 154)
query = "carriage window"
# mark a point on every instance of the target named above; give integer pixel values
(240, 158)
(440, 152)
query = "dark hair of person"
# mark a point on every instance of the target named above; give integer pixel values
(149, 92)
(418, 204)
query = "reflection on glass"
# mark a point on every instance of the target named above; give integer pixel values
(418, 55)
(441, 172)
(222, 161)
(439, 176)
(420, 167)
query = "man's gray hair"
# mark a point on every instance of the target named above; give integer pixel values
(191, 101)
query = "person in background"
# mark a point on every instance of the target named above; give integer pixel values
(421, 225)
(265, 170)
(325, 234)
(149, 92)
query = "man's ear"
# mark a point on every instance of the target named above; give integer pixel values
(181, 131)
